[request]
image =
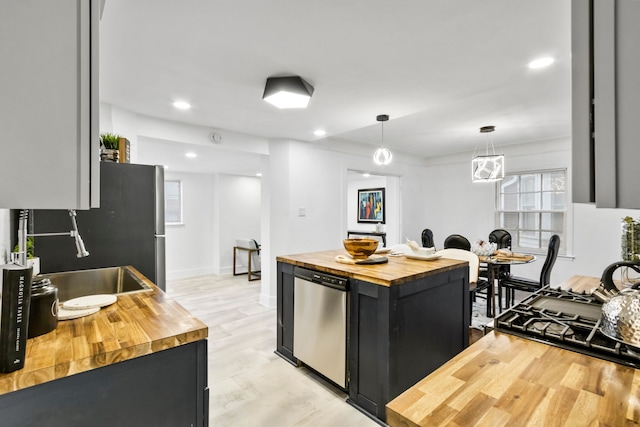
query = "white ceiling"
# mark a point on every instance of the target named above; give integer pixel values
(440, 68)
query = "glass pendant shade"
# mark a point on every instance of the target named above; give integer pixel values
(382, 156)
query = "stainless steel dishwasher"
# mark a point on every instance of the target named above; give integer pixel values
(320, 323)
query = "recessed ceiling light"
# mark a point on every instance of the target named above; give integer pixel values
(319, 132)
(191, 155)
(541, 62)
(165, 166)
(258, 174)
(182, 105)
(366, 175)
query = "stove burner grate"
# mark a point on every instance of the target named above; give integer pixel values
(544, 317)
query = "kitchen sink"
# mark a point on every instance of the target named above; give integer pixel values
(110, 280)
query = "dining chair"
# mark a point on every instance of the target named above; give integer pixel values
(476, 284)
(250, 261)
(457, 241)
(512, 283)
(427, 239)
(502, 238)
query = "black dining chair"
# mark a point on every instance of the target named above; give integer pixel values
(457, 241)
(427, 239)
(512, 283)
(502, 239)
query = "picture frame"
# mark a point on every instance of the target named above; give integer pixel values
(371, 206)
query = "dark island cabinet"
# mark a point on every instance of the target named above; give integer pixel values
(397, 334)
(605, 60)
(284, 295)
(165, 388)
(400, 334)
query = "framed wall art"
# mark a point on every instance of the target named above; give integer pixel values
(371, 205)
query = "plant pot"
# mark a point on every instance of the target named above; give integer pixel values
(109, 155)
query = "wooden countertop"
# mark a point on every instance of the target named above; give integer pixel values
(136, 325)
(398, 270)
(507, 380)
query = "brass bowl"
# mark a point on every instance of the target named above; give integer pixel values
(360, 248)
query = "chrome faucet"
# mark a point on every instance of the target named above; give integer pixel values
(22, 236)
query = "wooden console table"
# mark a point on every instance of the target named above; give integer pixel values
(369, 233)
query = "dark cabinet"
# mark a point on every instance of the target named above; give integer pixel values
(606, 102)
(284, 296)
(400, 334)
(165, 388)
(397, 334)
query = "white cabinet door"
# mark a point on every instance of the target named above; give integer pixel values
(49, 104)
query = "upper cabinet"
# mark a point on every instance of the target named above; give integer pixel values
(606, 102)
(49, 104)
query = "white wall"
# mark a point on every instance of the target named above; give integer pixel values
(238, 215)
(190, 246)
(217, 209)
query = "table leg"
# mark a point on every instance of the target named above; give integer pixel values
(491, 303)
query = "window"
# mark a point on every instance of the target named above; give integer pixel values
(173, 202)
(532, 207)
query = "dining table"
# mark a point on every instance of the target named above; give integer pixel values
(494, 263)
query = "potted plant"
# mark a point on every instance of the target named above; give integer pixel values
(109, 143)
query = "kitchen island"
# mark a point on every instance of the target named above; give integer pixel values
(140, 361)
(405, 319)
(506, 380)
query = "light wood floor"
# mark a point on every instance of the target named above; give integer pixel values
(249, 385)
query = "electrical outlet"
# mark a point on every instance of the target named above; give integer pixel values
(302, 212)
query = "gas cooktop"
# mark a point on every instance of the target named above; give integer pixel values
(567, 320)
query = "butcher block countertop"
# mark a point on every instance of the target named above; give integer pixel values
(136, 325)
(398, 270)
(504, 380)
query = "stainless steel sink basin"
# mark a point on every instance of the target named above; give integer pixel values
(111, 280)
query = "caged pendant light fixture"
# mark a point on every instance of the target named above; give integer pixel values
(382, 155)
(490, 167)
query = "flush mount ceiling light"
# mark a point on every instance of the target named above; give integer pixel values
(490, 167)
(287, 92)
(382, 155)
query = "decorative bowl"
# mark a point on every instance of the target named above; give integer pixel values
(483, 248)
(360, 248)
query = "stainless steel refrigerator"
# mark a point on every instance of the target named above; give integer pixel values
(127, 229)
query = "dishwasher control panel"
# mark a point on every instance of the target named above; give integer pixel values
(322, 278)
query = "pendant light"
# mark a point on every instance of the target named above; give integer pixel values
(490, 167)
(382, 155)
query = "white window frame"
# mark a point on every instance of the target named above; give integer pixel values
(180, 198)
(564, 234)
